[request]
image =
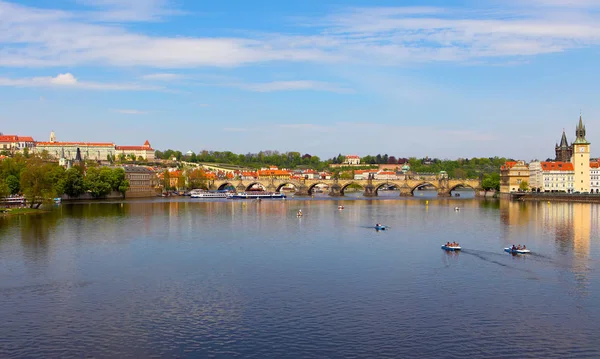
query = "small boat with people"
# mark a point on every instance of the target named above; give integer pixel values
(519, 249)
(340, 207)
(381, 227)
(299, 213)
(451, 246)
(257, 195)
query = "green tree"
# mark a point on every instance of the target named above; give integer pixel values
(36, 182)
(491, 182)
(166, 180)
(26, 152)
(4, 190)
(97, 182)
(524, 186)
(13, 184)
(122, 157)
(73, 182)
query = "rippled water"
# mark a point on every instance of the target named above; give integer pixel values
(248, 279)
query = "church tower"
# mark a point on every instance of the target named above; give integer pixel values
(581, 160)
(52, 137)
(564, 152)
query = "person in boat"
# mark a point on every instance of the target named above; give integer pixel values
(519, 247)
(514, 248)
(524, 247)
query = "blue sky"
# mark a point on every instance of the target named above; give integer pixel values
(442, 79)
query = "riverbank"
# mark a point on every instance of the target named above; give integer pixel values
(556, 197)
(17, 211)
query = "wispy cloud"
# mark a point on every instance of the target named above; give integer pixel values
(294, 86)
(68, 81)
(130, 10)
(161, 77)
(32, 36)
(129, 111)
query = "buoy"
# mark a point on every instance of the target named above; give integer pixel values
(426, 202)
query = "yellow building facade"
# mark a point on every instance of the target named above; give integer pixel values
(581, 160)
(512, 175)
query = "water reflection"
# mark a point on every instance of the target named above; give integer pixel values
(188, 278)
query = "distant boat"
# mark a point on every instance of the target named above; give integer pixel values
(451, 248)
(257, 195)
(210, 194)
(518, 251)
(381, 227)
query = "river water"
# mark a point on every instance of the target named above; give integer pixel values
(226, 279)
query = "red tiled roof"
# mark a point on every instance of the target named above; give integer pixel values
(273, 173)
(85, 144)
(557, 166)
(9, 138)
(147, 143)
(15, 138)
(353, 156)
(133, 148)
(594, 165)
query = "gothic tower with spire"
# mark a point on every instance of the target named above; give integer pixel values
(564, 152)
(581, 160)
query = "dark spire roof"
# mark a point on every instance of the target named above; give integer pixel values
(580, 133)
(563, 140)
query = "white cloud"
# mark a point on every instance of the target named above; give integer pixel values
(161, 77)
(375, 35)
(68, 81)
(293, 86)
(130, 10)
(130, 112)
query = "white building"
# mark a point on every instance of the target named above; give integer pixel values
(352, 160)
(386, 175)
(557, 177)
(594, 177)
(146, 152)
(13, 143)
(536, 180)
(98, 151)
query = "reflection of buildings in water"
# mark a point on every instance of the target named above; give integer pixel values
(572, 227)
(515, 213)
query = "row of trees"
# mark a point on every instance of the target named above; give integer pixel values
(249, 160)
(461, 168)
(40, 180)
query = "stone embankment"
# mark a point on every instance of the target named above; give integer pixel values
(556, 197)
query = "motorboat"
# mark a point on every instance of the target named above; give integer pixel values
(381, 227)
(451, 248)
(518, 251)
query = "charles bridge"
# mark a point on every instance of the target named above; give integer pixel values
(305, 187)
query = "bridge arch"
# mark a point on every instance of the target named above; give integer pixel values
(252, 184)
(224, 185)
(423, 184)
(461, 185)
(313, 185)
(283, 184)
(346, 185)
(381, 185)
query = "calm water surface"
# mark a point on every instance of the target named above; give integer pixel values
(248, 279)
